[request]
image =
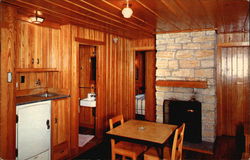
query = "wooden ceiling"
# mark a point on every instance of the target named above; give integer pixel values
(149, 17)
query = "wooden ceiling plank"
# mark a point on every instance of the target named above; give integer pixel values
(125, 28)
(133, 16)
(79, 21)
(173, 11)
(110, 13)
(234, 15)
(37, 7)
(121, 20)
(220, 18)
(193, 9)
(149, 17)
(156, 14)
(211, 9)
(121, 28)
(211, 20)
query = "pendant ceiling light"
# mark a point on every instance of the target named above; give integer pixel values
(127, 12)
(36, 19)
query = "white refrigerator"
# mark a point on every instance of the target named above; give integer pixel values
(33, 131)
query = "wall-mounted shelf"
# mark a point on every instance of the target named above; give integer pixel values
(36, 70)
(182, 83)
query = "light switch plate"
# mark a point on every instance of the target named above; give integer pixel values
(9, 80)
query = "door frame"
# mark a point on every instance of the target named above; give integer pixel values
(75, 90)
(152, 109)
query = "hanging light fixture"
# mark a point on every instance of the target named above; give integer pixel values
(36, 19)
(127, 12)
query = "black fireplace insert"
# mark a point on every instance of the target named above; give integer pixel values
(188, 112)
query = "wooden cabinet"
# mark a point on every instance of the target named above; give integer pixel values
(37, 46)
(61, 151)
(87, 117)
(60, 122)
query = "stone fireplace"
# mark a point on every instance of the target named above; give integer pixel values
(188, 56)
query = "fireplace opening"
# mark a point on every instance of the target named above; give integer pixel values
(189, 112)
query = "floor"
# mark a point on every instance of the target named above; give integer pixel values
(226, 148)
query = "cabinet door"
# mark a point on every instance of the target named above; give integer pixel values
(60, 124)
(37, 47)
(33, 129)
(87, 118)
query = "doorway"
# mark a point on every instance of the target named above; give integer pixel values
(145, 105)
(87, 92)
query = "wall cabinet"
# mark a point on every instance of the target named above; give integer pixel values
(60, 121)
(37, 46)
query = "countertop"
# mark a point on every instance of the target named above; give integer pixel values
(34, 98)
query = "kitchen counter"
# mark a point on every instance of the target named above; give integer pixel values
(34, 98)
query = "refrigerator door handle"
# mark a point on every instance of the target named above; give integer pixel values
(48, 124)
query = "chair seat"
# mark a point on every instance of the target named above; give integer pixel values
(152, 154)
(124, 147)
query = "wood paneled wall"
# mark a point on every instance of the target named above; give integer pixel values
(61, 81)
(144, 44)
(7, 108)
(232, 83)
(115, 78)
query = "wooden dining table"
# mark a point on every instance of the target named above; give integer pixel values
(143, 132)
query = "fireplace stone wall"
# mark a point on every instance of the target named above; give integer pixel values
(188, 56)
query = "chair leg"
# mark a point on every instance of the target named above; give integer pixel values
(134, 157)
(113, 155)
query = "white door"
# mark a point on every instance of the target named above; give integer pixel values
(33, 129)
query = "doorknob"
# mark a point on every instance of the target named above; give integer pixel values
(48, 125)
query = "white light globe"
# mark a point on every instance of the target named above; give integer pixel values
(127, 12)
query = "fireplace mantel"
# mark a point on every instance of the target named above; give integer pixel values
(181, 83)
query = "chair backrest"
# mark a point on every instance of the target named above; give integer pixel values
(112, 122)
(178, 143)
(115, 120)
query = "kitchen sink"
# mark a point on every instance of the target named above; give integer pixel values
(46, 94)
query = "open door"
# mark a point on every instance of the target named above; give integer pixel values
(150, 69)
(145, 85)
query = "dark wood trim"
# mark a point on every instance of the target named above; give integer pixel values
(147, 48)
(179, 83)
(89, 42)
(188, 30)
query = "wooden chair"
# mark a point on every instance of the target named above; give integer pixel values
(123, 148)
(176, 153)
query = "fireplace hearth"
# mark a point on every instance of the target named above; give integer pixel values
(189, 112)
